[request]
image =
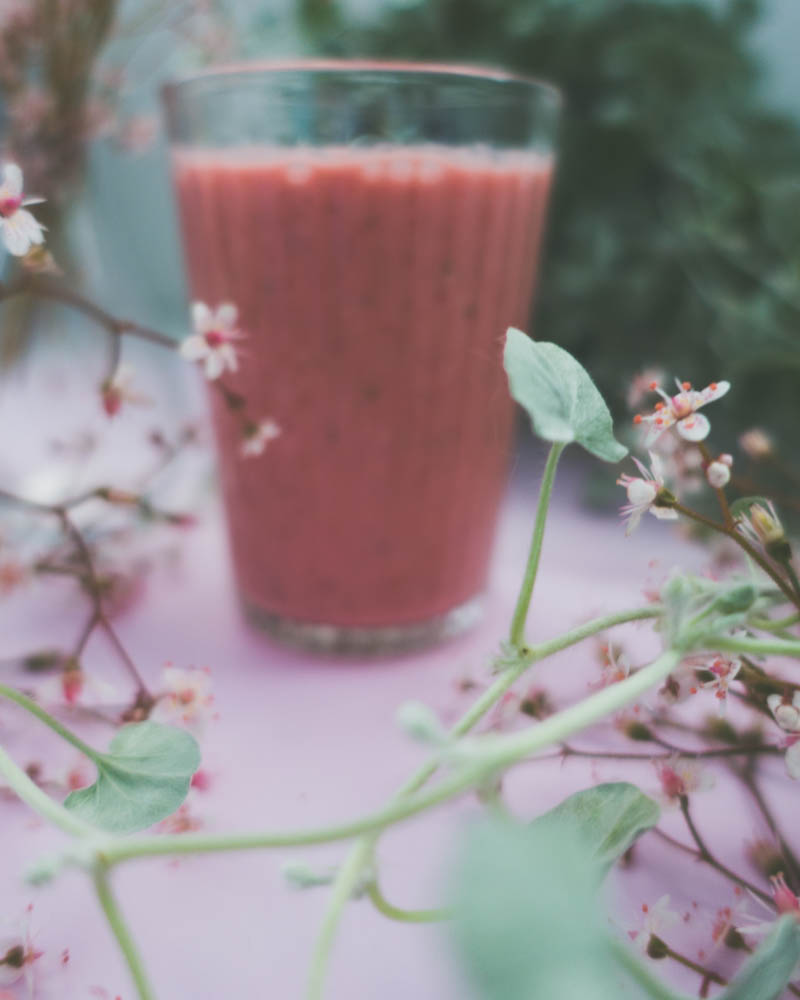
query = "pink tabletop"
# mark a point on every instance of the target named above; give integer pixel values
(303, 740)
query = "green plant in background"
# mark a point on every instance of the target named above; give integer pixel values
(675, 228)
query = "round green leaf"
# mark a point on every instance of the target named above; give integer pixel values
(142, 779)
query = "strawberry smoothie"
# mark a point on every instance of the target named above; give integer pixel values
(375, 285)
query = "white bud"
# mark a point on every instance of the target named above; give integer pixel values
(718, 474)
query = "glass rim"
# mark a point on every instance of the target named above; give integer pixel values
(402, 67)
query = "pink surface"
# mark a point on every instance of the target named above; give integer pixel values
(303, 741)
(374, 286)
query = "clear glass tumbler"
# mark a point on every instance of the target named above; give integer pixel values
(378, 227)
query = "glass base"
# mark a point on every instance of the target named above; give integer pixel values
(367, 640)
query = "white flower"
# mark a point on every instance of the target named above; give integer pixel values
(643, 492)
(74, 687)
(785, 901)
(680, 777)
(718, 472)
(17, 954)
(723, 668)
(258, 437)
(215, 330)
(185, 697)
(658, 919)
(19, 229)
(681, 410)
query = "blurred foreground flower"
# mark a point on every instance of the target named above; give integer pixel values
(258, 437)
(185, 696)
(19, 229)
(215, 330)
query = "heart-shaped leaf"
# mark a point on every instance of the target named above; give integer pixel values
(608, 818)
(142, 779)
(560, 398)
(765, 975)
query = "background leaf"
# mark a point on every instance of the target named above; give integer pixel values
(142, 779)
(527, 922)
(559, 396)
(608, 817)
(764, 976)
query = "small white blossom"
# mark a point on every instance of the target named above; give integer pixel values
(658, 918)
(212, 343)
(723, 669)
(185, 696)
(19, 229)
(680, 411)
(17, 954)
(258, 437)
(680, 777)
(784, 901)
(643, 492)
(718, 472)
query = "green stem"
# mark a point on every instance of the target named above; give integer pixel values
(400, 808)
(383, 905)
(641, 974)
(31, 706)
(775, 625)
(123, 935)
(30, 793)
(742, 542)
(346, 881)
(755, 647)
(517, 635)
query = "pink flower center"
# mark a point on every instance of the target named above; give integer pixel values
(215, 338)
(8, 206)
(785, 899)
(682, 406)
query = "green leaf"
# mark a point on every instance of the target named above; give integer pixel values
(559, 396)
(526, 919)
(142, 779)
(765, 975)
(609, 818)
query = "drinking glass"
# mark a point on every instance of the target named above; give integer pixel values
(377, 226)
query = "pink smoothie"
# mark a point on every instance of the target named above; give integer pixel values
(375, 286)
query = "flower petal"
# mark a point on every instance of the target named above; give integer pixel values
(711, 392)
(215, 365)
(664, 513)
(202, 318)
(227, 315)
(194, 348)
(694, 427)
(20, 230)
(12, 181)
(793, 761)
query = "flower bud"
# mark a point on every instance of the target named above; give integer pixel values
(718, 472)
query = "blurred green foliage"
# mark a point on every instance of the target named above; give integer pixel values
(674, 235)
